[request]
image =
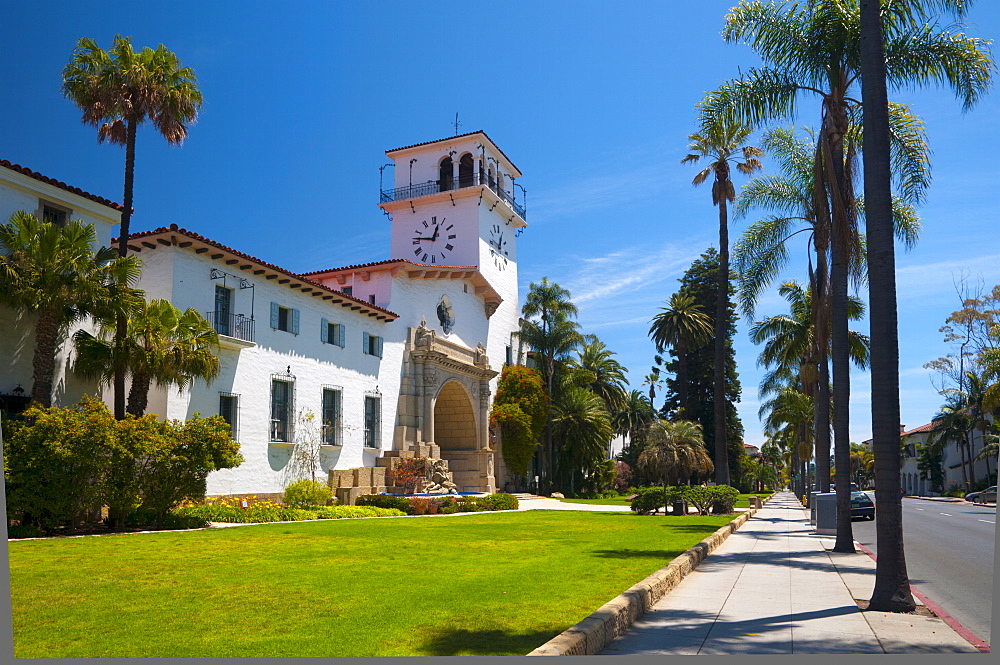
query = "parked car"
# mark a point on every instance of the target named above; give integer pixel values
(988, 495)
(862, 506)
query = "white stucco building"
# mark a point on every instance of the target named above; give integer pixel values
(50, 200)
(401, 354)
(951, 461)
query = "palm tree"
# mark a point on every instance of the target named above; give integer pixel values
(57, 274)
(609, 375)
(581, 423)
(814, 48)
(654, 381)
(675, 451)
(546, 328)
(682, 326)
(164, 346)
(634, 415)
(788, 418)
(718, 142)
(118, 90)
(762, 252)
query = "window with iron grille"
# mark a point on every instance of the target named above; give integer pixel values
(331, 415)
(373, 421)
(229, 407)
(282, 407)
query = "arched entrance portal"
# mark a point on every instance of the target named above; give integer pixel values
(455, 432)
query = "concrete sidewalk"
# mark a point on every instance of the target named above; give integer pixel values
(774, 587)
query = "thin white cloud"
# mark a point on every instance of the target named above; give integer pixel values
(938, 278)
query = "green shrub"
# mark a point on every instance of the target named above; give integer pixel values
(501, 501)
(349, 512)
(26, 531)
(56, 462)
(723, 498)
(386, 501)
(307, 492)
(650, 499)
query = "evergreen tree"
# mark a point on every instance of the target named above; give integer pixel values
(700, 281)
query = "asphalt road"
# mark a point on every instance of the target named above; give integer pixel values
(949, 556)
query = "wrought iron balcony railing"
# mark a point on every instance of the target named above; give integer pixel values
(449, 184)
(232, 325)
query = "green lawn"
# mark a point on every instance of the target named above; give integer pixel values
(476, 584)
(742, 502)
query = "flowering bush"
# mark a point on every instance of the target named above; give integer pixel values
(520, 409)
(408, 473)
(229, 509)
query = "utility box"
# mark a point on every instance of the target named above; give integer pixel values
(812, 507)
(826, 513)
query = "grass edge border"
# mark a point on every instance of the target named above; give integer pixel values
(593, 633)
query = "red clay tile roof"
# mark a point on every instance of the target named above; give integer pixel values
(61, 185)
(387, 262)
(457, 136)
(173, 228)
(929, 427)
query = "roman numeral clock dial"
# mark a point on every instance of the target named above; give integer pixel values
(433, 240)
(498, 247)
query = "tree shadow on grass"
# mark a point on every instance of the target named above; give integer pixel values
(464, 642)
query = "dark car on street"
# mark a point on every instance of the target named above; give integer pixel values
(862, 506)
(988, 495)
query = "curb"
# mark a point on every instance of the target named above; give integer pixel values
(951, 621)
(590, 636)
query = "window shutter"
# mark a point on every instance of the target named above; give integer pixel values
(324, 331)
(295, 322)
(340, 334)
(379, 346)
(364, 344)
(274, 315)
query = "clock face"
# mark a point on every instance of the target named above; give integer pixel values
(499, 248)
(433, 240)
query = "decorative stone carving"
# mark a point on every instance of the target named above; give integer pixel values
(424, 336)
(491, 307)
(430, 376)
(439, 480)
(489, 465)
(481, 357)
(446, 315)
(484, 398)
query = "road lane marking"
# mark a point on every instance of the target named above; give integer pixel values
(919, 508)
(987, 521)
(945, 514)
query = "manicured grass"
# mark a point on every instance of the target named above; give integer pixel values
(617, 501)
(475, 584)
(742, 502)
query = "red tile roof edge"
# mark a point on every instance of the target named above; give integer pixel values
(61, 185)
(929, 427)
(173, 228)
(362, 266)
(458, 136)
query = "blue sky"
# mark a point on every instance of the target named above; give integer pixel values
(593, 102)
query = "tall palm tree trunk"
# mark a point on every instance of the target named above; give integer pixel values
(892, 585)
(841, 195)
(821, 408)
(44, 360)
(121, 322)
(138, 394)
(721, 319)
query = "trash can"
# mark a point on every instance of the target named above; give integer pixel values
(812, 507)
(680, 507)
(755, 501)
(826, 513)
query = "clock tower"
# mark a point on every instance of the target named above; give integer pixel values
(455, 223)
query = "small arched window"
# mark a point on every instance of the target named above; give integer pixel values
(465, 171)
(445, 177)
(493, 183)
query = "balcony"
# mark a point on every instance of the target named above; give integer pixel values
(451, 184)
(236, 326)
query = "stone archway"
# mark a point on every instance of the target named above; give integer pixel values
(457, 434)
(454, 419)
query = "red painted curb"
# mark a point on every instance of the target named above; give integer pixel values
(952, 622)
